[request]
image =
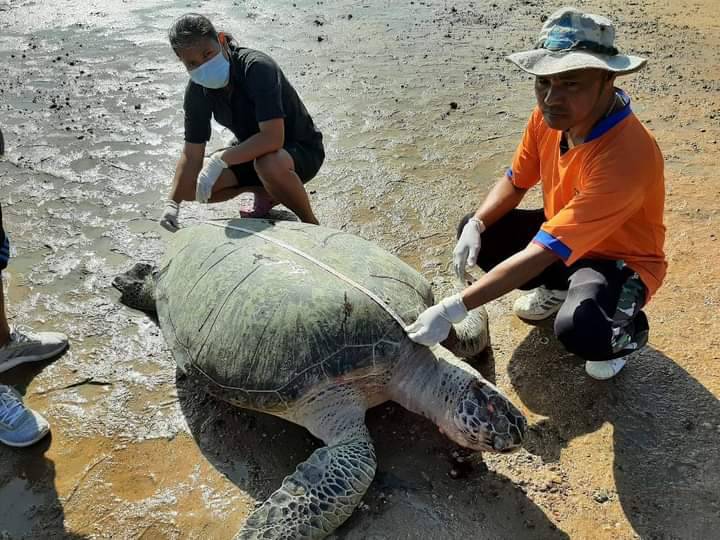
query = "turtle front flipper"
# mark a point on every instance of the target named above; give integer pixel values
(326, 488)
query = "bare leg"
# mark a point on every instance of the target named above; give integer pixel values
(227, 187)
(4, 326)
(277, 173)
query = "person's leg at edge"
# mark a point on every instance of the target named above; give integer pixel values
(4, 326)
(19, 425)
(509, 235)
(602, 319)
(22, 345)
(4, 257)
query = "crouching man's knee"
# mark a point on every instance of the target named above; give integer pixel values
(584, 330)
(274, 166)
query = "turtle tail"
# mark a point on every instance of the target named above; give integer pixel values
(137, 287)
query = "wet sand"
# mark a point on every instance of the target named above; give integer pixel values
(92, 118)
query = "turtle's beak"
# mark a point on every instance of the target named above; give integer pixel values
(509, 442)
(509, 450)
(503, 444)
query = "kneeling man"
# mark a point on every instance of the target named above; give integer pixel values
(594, 253)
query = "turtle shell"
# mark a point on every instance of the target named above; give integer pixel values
(265, 324)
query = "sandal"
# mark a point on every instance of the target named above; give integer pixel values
(258, 206)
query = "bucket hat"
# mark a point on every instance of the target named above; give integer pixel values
(571, 39)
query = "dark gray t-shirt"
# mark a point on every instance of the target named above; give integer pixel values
(259, 92)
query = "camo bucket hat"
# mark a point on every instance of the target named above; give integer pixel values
(571, 39)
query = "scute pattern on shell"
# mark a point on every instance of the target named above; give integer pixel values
(265, 324)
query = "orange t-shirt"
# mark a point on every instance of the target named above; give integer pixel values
(603, 199)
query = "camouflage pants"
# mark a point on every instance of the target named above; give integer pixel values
(602, 317)
(625, 336)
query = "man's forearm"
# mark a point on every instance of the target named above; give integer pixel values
(186, 174)
(503, 197)
(508, 275)
(252, 148)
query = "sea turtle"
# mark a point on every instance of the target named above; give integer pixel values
(304, 322)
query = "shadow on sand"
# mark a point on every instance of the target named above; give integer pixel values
(29, 502)
(666, 431)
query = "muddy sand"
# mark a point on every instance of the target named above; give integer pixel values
(421, 114)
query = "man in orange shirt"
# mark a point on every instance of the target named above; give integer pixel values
(594, 253)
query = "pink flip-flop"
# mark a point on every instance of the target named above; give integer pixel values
(256, 206)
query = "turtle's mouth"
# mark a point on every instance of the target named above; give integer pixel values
(505, 449)
(492, 442)
(483, 443)
(506, 443)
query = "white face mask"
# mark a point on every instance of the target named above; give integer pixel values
(215, 73)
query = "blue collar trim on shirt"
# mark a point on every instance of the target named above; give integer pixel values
(606, 124)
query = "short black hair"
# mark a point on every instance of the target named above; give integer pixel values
(189, 29)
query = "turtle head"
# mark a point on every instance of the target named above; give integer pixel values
(485, 420)
(137, 287)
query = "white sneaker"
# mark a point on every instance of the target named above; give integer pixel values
(607, 369)
(603, 370)
(27, 346)
(539, 303)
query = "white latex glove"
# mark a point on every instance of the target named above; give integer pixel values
(169, 218)
(209, 174)
(433, 325)
(468, 246)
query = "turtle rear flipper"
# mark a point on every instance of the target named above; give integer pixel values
(326, 488)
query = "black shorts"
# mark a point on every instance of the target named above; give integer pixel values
(4, 245)
(308, 158)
